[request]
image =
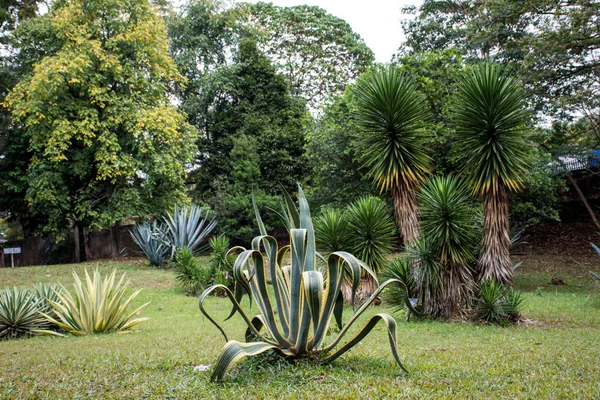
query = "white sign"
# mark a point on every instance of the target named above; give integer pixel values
(12, 250)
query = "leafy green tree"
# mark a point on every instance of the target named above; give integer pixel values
(491, 141)
(253, 138)
(97, 119)
(436, 75)
(336, 176)
(390, 112)
(552, 44)
(319, 53)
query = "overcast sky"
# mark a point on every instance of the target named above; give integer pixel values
(376, 21)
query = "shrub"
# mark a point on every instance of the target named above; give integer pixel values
(496, 304)
(221, 262)
(152, 240)
(332, 232)
(96, 307)
(19, 316)
(372, 231)
(193, 277)
(295, 325)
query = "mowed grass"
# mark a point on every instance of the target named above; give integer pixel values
(555, 353)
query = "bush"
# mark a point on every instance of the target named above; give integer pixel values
(496, 304)
(372, 231)
(332, 232)
(193, 277)
(96, 307)
(19, 316)
(221, 262)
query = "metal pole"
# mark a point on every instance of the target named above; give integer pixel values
(12, 260)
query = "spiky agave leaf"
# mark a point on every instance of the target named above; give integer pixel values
(296, 311)
(96, 306)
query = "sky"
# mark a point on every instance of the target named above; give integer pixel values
(376, 21)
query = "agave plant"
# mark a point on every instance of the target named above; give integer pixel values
(294, 324)
(151, 239)
(46, 294)
(96, 307)
(188, 227)
(19, 314)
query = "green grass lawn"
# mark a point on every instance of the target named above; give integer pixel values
(555, 353)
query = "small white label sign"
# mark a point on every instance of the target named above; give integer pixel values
(12, 250)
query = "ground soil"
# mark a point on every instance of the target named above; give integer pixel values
(567, 239)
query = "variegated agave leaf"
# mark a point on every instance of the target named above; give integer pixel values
(295, 302)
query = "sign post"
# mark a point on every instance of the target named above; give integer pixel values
(12, 251)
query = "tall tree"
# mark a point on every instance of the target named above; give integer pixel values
(104, 139)
(553, 44)
(491, 140)
(390, 112)
(336, 176)
(252, 137)
(319, 53)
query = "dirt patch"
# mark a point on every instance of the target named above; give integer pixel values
(564, 239)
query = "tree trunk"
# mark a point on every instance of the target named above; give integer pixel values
(405, 211)
(494, 257)
(365, 289)
(584, 200)
(79, 244)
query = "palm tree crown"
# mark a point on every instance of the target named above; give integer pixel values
(390, 111)
(491, 129)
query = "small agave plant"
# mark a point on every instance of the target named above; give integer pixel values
(295, 314)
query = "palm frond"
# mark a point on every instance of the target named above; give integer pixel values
(390, 111)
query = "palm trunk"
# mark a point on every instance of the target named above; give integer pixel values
(405, 211)
(494, 257)
(365, 289)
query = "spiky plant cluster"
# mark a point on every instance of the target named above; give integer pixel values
(188, 226)
(98, 305)
(496, 304)
(21, 308)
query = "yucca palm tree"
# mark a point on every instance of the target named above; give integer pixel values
(491, 139)
(390, 112)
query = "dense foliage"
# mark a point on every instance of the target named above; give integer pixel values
(100, 134)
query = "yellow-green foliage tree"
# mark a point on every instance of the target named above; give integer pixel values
(104, 137)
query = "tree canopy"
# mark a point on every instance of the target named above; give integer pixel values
(104, 138)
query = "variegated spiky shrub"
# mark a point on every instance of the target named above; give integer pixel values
(295, 313)
(19, 316)
(97, 306)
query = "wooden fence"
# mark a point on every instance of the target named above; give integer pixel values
(107, 243)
